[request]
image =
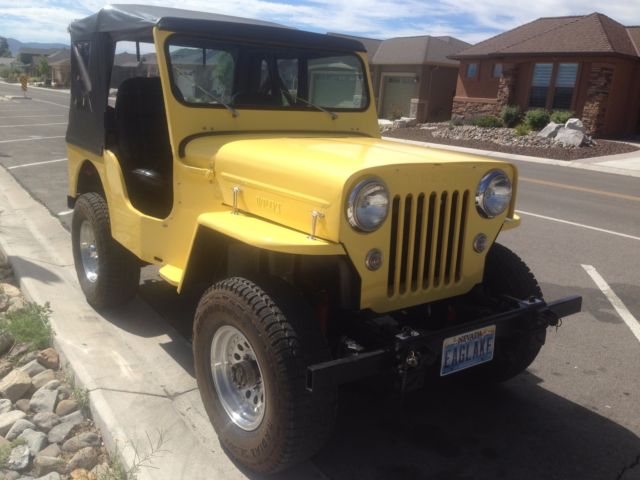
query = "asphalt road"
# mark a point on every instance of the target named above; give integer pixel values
(574, 415)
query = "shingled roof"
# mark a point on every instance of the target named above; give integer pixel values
(594, 34)
(419, 50)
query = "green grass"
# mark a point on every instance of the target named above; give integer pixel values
(5, 450)
(29, 325)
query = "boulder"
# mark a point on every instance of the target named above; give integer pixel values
(46, 420)
(60, 432)
(35, 440)
(18, 427)
(568, 137)
(44, 400)
(65, 407)
(15, 385)
(49, 358)
(86, 458)
(32, 368)
(7, 420)
(575, 124)
(41, 379)
(19, 458)
(550, 131)
(44, 465)
(6, 339)
(80, 441)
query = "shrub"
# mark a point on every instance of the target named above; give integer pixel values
(456, 120)
(522, 129)
(561, 116)
(488, 121)
(510, 115)
(537, 119)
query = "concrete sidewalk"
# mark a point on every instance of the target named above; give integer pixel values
(137, 369)
(623, 164)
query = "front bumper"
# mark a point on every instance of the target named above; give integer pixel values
(400, 354)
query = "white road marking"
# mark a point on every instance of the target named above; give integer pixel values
(51, 103)
(581, 225)
(66, 212)
(29, 139)
(37, 163)
(615, 301)
(33, 125)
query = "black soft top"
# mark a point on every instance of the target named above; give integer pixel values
(136, 22)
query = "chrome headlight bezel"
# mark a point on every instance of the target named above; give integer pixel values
(487, 184)
(368, 186)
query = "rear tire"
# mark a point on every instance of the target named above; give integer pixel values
(506, 274)
(108, 273)
(283, 337)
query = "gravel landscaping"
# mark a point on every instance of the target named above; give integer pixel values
(505, 140)
(45, 429)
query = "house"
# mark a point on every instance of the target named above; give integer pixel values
(413, 76)
(60, 68)
(30, 57)
(587, 64)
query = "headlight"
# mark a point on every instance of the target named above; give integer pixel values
(494, 194)
(368, 205)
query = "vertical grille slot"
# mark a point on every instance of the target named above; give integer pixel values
(427, 241)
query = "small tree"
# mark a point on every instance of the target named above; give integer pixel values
(5, 51)
(43, 67)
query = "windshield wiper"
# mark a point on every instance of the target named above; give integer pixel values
(233, 111)
(333, 115)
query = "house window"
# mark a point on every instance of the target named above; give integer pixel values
(565, 83)
(472, 70)
(497, 70)
(540, 84)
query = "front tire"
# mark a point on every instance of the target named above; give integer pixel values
(108, 273)
(507, 274)
(269, 336)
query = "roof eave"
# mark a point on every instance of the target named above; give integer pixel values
(542, 54)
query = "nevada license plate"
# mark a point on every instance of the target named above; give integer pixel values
(467, 350)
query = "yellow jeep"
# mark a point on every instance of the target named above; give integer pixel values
(244, 158)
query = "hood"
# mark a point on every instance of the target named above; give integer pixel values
(285, 178)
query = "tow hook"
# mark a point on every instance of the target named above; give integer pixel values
(412, 360)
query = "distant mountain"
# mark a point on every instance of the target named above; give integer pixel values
(15, 45)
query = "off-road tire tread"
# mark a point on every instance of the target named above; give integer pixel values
(295, 341)
(119, 269)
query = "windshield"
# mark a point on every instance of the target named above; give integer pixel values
(209, 73)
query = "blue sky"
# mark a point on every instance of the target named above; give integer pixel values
(470, 20)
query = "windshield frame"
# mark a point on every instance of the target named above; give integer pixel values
(234, 46)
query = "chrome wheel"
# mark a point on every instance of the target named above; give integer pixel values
(88, 251)
(237, 378)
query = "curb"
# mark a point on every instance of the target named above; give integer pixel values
(524, 158)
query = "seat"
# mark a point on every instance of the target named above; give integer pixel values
(143, 147)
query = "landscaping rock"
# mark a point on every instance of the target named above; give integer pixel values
(82, 440)
(60, 432)
(6, 339)
(10, 290)
(41, 379)
(410, 121)
(50, 476)
(14, 385)
(44, 465)
(35, 440)
(23, 404)
(18, 427)
(86, 458)
(5, 367)
(399, 124)
(5, 405)
(100, 471)
(44, 400)
(9, 475)
(49, 358)
(575, 124)
(4, 302)
(32, 368)
(65, 407)
(52, 450)
(46, 420)
(4, 441)
(7, 420)
(568, 137)
(19, 458)
(26, 358)
(550, 131)
(18, 350)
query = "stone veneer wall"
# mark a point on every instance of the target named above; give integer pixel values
(595, 106)
(474, 108)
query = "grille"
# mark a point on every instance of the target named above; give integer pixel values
(427, 241)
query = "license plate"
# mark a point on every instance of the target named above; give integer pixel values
(467, 350)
